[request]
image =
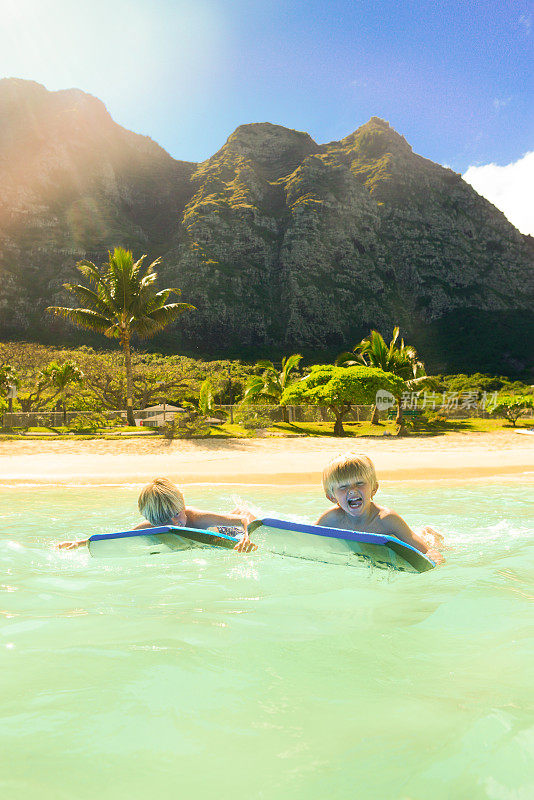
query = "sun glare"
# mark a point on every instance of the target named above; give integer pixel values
(123, 48)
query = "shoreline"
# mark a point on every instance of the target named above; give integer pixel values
(271, 461)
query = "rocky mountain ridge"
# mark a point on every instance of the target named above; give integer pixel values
(281, 243)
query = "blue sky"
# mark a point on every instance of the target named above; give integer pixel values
(454, 77)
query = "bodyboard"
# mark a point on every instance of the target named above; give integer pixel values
(335, 546)
(153, 541)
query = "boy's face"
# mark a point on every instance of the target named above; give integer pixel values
(180, 519)
(354, 496)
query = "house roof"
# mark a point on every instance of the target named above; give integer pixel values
(160, 407)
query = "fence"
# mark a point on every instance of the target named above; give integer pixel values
(297, 413)
(52, 419)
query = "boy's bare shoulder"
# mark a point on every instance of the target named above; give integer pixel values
(384, 513)
(333, 518)
(390, 522)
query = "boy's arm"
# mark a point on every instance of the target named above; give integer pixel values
(398, 527)
(72, 545)
(210, 519)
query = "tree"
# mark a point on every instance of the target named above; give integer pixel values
(23, 364)
(60, 377)
(155, 378)
(270, 386)
(513, 407)
(122, 303)
(340, 387)
(9, 380)
(30, 399)
(400, 359)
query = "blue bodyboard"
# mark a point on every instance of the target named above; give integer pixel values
(152, 541)
(335, 546)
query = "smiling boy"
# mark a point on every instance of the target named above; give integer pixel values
(350, 482)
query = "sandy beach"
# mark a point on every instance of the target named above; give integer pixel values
(287, 460)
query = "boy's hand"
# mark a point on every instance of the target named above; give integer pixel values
(71, 545)
(432, 537)
(435, 555)
(246, 516)
(245, 545)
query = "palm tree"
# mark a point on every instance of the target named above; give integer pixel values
(400, 359)
(122, 303)
(60, 377)
(271, 384)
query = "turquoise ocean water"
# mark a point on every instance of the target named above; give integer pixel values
(216, 675)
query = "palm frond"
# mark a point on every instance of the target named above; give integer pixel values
(349, 360)
(258, 387)
(119, 276)
(149, 302)
(291, 362)
(271, 387)
(151, 267)
(149, 324)
(135, 265)
(89, 271)
(373, 350)
(393, 341)
(205, 398)
(423, 382)
(253, 388)
(265, 364)
(164, 294)
(89, 297)
(147, 280)
(83, 317)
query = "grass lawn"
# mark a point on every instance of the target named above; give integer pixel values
(61, 432)
(228, 431)
(356, 429)
(353, 429)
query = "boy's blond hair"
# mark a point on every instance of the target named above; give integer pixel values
(160, 501)
(346, 468)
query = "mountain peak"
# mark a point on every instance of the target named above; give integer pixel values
(266, 130)
(22, 99)
(377, 137)
(275, 149)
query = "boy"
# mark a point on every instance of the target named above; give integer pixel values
(162, 503)
(350, 482)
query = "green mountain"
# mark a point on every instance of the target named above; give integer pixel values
(282, 244)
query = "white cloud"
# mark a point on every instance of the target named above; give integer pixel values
(525, 20)
(499, 103)
(510, 188)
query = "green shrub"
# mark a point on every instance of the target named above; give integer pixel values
(251, 420)
(88, 423)
(191, 425)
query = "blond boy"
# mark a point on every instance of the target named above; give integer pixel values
(162, 503)
(350, 482)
